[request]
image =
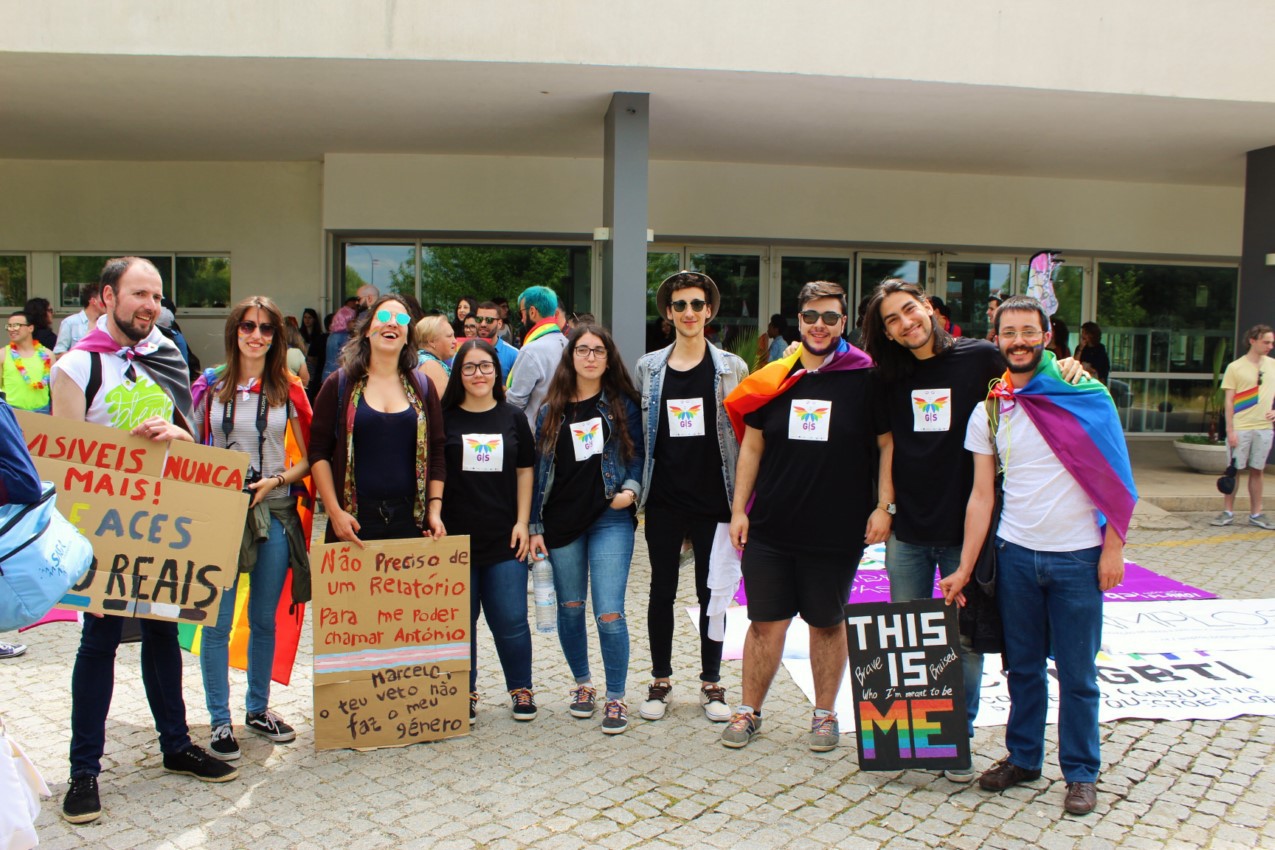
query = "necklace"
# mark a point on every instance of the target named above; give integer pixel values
(46, 360)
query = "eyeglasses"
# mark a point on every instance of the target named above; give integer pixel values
(246, 328)
(471, 369)
(697, 305)
(400, 319)
(587, 353)
(830, 317)
(486, 320)
(1029, 335)
(15, 327)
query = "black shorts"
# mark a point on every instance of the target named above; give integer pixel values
(781, 583)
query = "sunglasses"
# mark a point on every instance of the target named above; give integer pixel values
(697, 305)
(401, 319)
(246, 328)
(830, 317)
(16, 327)
(486, 320)
(471, 369)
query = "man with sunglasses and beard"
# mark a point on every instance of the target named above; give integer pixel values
(490, 326)
(814, 436)
(126, 374)
(1068, 498)
(688, 477)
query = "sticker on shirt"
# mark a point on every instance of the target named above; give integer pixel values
(586, 438)
(931, 410)
(131, 404)
(483, 452)
(685, 417)
(809, 419)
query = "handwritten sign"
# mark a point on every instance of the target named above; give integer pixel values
(391, 642)
(907, 686)
(161, 545)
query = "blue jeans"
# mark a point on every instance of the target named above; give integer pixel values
(603, 553)
(911, 570)
(500, 591)
(1050, 602)
(93, 682)
(263, 602)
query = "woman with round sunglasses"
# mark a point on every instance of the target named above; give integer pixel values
(490, 458)
(252, 404)
(589, 435)
(435, 342)
(376, 448)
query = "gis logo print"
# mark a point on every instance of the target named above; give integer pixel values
(686, 416)
(930, 409)
(809, 419)
(482, 449)
(586, 435)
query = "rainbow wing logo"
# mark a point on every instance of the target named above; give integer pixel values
(586, 435)
(481, 447)
(812, 415)
(933, 405)
(685, 415)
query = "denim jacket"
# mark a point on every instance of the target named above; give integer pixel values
(729, 370)
(614, 476)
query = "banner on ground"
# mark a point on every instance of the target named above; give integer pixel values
(157, 515)
(907, 692)
(1213, 624)
(391, 642)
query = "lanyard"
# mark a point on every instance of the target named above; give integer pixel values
(263, 412)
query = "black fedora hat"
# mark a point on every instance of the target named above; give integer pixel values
(664, 294)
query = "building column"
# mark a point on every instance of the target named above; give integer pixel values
(624, 214)
(1257, 279)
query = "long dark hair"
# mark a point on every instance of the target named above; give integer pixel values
(357, 351)
(454, 395)
(317, 328)
(616, 384)
(894, 360)
(274, 378)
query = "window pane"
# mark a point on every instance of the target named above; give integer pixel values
(1069, 284)
(1157, 318)
(873, 270)
(13, 281)
(659, 265)
(966, 291)
(203, 282)
(796, 272)
(390, 268)
(75, 270)
(490, 271)
(738, 278)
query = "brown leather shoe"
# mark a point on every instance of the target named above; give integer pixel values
(1004, 775)
(1081, 798)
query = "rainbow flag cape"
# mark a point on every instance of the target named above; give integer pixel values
(544, 327)
(288, 617)
(755, 391)
(1079, 423)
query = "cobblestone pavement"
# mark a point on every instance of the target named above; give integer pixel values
(558, 782)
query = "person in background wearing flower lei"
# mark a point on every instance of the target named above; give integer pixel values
(435, 343)
(248, 405)
(490, 459)
(583, 510)
(379, 410)
(24, 377)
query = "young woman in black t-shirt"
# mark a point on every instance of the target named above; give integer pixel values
(589, 433)
(490, 455)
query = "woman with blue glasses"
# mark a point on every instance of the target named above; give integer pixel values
(376, 444)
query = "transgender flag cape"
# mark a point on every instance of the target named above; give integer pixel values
(755, 391)
(1079, 423)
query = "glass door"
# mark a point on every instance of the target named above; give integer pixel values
(738, 274)
(1069, 289)
(966, 286)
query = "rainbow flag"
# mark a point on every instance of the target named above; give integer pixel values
(288, 617)
(1080, 424)
(773, 379)
(544, 327)
(1244, 399)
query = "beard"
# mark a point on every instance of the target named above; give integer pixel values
(833, 341)
(129, 327)
(1037, 352)
(929, 335)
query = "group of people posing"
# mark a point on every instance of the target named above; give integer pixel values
(551, 452)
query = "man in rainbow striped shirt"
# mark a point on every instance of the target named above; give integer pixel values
(1249, 384)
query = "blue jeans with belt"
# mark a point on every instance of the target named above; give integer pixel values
(598, 560)
(263, 602)
(1050, 603)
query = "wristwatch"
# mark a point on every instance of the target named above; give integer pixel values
(888, 507)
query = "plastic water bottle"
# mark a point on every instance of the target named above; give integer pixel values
(546, 599)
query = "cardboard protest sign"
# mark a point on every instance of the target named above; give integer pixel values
(907, 685)
(165, 520)
(391, 642)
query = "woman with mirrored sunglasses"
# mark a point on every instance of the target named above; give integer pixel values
(376, 447)
(252, 404)
(583, 514)
(490, 458)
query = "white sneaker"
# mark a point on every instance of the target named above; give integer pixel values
(657, 701)
(713, 699)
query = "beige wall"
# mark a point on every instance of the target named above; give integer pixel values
(1172, 49)
(766, 202)
(265, 215)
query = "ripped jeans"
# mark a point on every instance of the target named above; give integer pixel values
(602, 554)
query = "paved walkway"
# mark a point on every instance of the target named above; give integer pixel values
(559, 783)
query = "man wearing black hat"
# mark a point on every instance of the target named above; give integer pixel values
(689, 475)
